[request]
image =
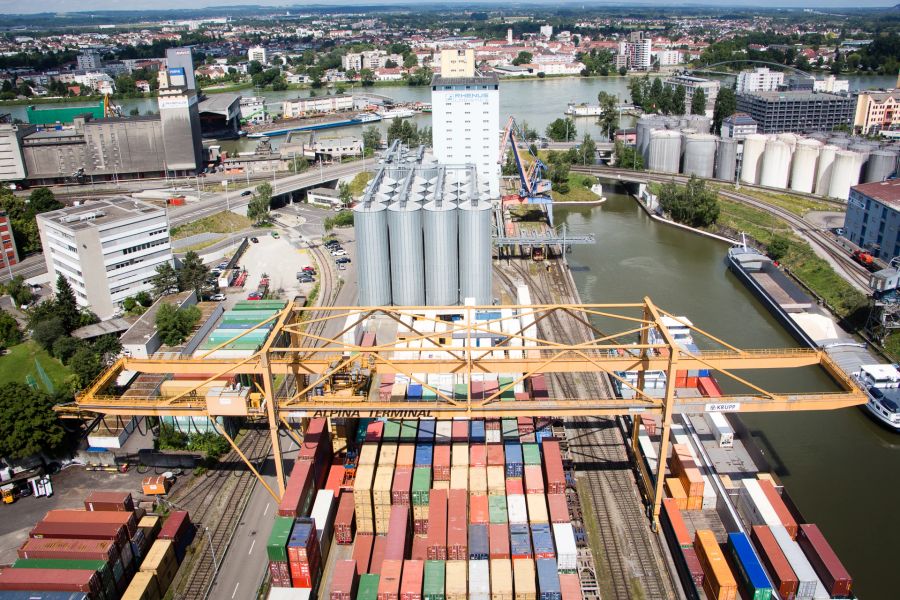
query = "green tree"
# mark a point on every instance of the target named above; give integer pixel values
(46, 331)
(85, 364)
(64, 348)
(692, 205)
(165, 281)
(562, 130)
(258, 207)
(66, 306)
(344, 193)
(509, 165)
(193, 274)
(10, 334)
(609, 113)
(636, 89)
(28, 424)
(254, 67)
(587, 150)
(410, 61)
(698, 102)
(627, 157)
(174, 324)
(725, 106)
(42, 200)
(371, 140)
(366, 77)
(778, 247)
(523, 58)
(679, 97)
(19, 291)
(143, 298)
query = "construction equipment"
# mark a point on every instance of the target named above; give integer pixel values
(534, 187)
(8, 492)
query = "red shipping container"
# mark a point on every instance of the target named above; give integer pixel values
(297, 489)
(51, 580)
(411, 582)
(498, 538)
(559, 510)
(419, 548)
(457, 526)
(478, 455)
(335, 479)
(673, 513)
(362, 552)
(553, 467)
(460, 431)
(344, 580)
(534, 479)
(398, 533)
(401, 485)
(420, 527)
(88, 531)
(440, 465)
(389, 581)
(118, 501)
(374, 431)
(69, 549)
(345, 519)
(317, 449)
(479, 512)
(126, 519)
(693, 566)
(377, 554)
(437, 525)
(492, 424)
(781, 509)
(569, 586)
(281, 573)
(514, 486)
(526, 425)
(824, 561)
(495, 456)
(774, 561)
(523, 396)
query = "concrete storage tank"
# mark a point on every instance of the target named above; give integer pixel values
(373, 256)
(863, 149)
(439, 218)
(699, 154)
(824, 169)
(844, 174)
(790, 139)
(803, 167)
(700, 123)
(754, 147)
(882, 164)
(475, 251)
(726, 159)
(665, 151)
(645, 125)
(776, 165)
(841, 142)
(407, 256)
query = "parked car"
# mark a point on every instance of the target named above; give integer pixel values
(254, 240)
(254, 296)
(342, 260)
(340, 252)
(222, 265)
(217, 297)
(308, 269)
(342, 267)
(305, 280)
(275, 234)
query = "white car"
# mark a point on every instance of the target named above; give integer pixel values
(217, 297)
(339, 253)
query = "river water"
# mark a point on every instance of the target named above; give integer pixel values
(837, 465)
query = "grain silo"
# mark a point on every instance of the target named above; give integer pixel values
(475, 250)
(699, 122)
(754, 148)
(726, 159)
(790, 139)
(665, 151)
(882, 164)
(645, 125)
(439, 218)
(845, 174)
(407, 252)
(699, 154)
(824, 169)
(841, 142)
(776, 165)
(373, 255)
(803, 167)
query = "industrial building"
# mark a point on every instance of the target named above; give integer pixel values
(877, 111)
(12, 162)
(304, 107)
(179, 112)
(800, 112)
(465, 122)
(738, 126)
(424, 233)
(873, 218)
(220, 116)
(107, 249)
(43, 114)
(182, 58)
(691, 84)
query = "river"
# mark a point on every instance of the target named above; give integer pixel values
(837, 465)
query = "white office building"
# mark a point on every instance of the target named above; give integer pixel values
(88, 61)
(257, 53)
(759, 80)
(546, 31)
(107, 249)
(831, 85)
(669, 58)
(466, 124)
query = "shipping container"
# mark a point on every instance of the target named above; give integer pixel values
(777, 565)
(479, 580)
(828, 567)
(520, 542)
(694, 568)
(477, 455)
(498, 534)
(548, 579)
(440, 468)
(344, 520)
(569, 586)
(558, 508)
(517, 509)
(554, 474)
(456, 580)
(501, 579)
(531, 453)
(400, 488)
(406, 455)
(276, 548)
(362, 499)
(514, 462)
(476, 432)
(457, 525)
(479, 544)
(808, 584)
(748, 568)
(143, 586)
(524, 579)
(322, 514)
(368, 587)
(437, 525)
(51, 580)
(299, 491)
(537, 509)
(514, 486)
(288, 593)
(397, 539)
(495, 457)
(419, 549)
(389, 582)
(368, 454)
(676, 492)
(69, 549)
(459, 478)
(280, 573)
(105, 531)
(497, 509)
(426, 431)
(534, 479)
(433, 584)
(479, 511)
(109, 500)
(719, 582)
(362, 552)
(478, 480)
(421, 485)
(161, 560)
(566, 550)
(755, 506)
(784, 514)
(674, 523)
(411, 582)
(344, 580)
(119, 518)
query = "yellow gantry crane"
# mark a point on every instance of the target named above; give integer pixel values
(313, 360)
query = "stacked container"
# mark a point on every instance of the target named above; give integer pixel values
(304, 556)
(718, 583)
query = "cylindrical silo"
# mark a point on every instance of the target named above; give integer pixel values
(726, 159)
(754, 147)
(776, 165)
(844, 175)
(863, 149)
(699, 122)
(824, 169)
(439, 220)
(373, 255)
(645, 125)
(841, 142)
(819, 135)
(790, 139)
(475, 251)
(699, 154)
(665, 151)
(882, 164)
(803, 166)
(407, 256)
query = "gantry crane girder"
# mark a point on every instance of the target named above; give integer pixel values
(292, 349)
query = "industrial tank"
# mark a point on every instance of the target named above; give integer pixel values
(825, 168)
(407, 257)
(803, 167)
(776, 164)
(475, 250)
(754, 147)
(699, 122)
(863, 149)
(882, 164)
(790, 139)
(645, 125)
(726, 159)
(699, 154)
(665, 151)
(373, 256)
(439, 218)
(841, 142)
(845, 174)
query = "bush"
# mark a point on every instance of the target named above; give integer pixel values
(171, 439)
(778, 247)
(211, 444)
(342, 219)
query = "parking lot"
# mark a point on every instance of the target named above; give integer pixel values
(278, 259)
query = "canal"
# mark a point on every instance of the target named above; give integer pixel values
(837, 465)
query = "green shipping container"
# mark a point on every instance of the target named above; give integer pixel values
(507, 394)
(531, 454)
(421, 484)
(276, 548)
(391, 430)
(435, 571)
(408, 430)
(460, 391)
(259, 305)
(368, 587)
(510, 430)
(39, 115)
(497, 509)
(428, 394)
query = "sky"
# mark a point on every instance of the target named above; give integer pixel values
(19, 7)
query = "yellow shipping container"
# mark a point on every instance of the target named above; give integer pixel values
(150, 525)
(362, 498)
(525, 579)
(501, 579)
(143, 586)
(406, 455)
(440, 485)
(719, 582)
(456, 578)
(496, 480)
(478, 480)
(381, 486)
(161, 561)
(460, 455)
(675, 491)
(369, 454)
(537, 508)
(695, 503)
(459, 478)
(388, 455)
(420, 513)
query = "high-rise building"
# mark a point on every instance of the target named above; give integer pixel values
(691, 84)
(88, 61)
(182, 58)
(800, 112)
(509, 35)
(640, 54)
(179, 112)
(458, 63)
(759, 80)
(257, 53)
(107, 249)
(466, 120)
(8, 255)
(547, 31)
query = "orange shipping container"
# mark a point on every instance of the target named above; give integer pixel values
(695, 503)
(675, 491)
(719, 583)
(406, 455)
(155, 486)
(691, 481)
(681, 459)
(781, 509)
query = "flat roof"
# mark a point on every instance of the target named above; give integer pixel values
(98, 212)
(219, 102)
(491, 79)
(789, 96)
(886, 192)
(323, 191)
(145, 326)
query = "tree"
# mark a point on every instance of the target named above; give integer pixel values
(390, 64)
(64, 348)
(174, 324)
(509, 166)
(562, 130)
(19, 291)
(778, 247)
(86, 365)
(609, 113)
(587, 150)
(698, 102)
(254, 67)
(679, 97)
(367, 76)
(193, 274)
(523, 58)
(344, 193)
(28, 424)
(165, 281)
(42, 200)
(10, 334)
(627, 157)
(143, 298)
(371, 140)
(726, 105)
(258, 207)
(410, 60)
(692, 205)
(46, 331)
(66, 306)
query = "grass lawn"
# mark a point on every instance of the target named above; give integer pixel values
(223, 222)
(579, 189)
(799, 205)
(359, 183)
(18, 366)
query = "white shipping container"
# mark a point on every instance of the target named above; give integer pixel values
(281, 593)
(710, 498)
(479, 580)
(322, 514)
(810, 586)
(566, 550)
(721, 429)
(352, 330)
(492, 436)
(517, 509)
(756, 507)
(443, 432)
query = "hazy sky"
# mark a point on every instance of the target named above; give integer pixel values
(18, 7)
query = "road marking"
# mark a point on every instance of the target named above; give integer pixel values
(234, 593)
(265, 512)
(251, 547)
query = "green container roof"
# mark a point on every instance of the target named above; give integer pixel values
(408, 429)
(497, 509)
(39, 115)
(421, 485)
(61, 563)
(391, 430)
(259, 304)
(531, 454)
(276, 548)
(435, 573)
(368, 587)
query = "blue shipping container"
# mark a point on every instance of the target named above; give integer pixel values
(414, 391)
(476, 432)
(514, 462)
(424, 455)
(426, 430)
(548, 579)
(750, 571)
(479, 545)
(520, 541)
(542, 540)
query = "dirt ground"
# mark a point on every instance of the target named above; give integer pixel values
(280, 260)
